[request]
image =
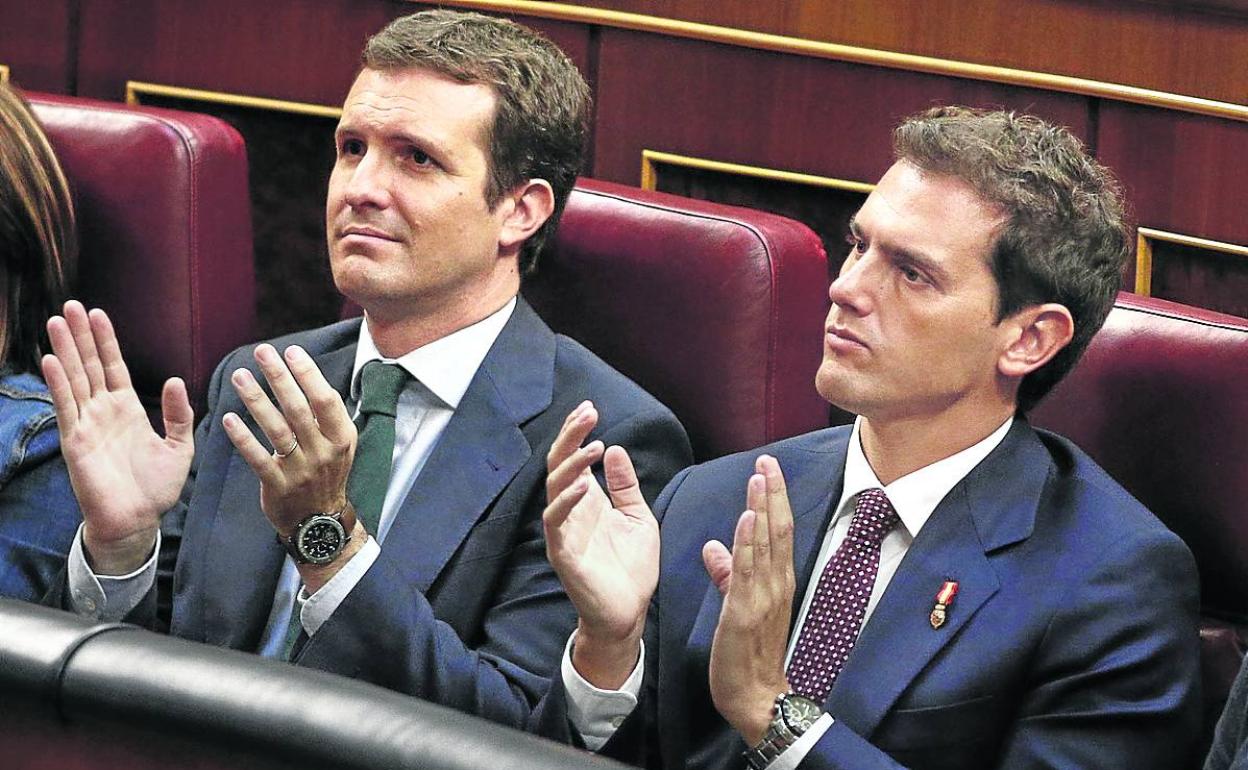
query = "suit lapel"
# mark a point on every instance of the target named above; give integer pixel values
(807, 473)
(240, 588)
(480, 451)
(994, 506)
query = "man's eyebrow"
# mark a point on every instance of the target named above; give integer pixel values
(425, 142)
(922, 261)
(918, 259)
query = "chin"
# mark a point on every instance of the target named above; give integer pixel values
(838, 387)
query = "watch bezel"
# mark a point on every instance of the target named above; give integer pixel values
(785, 704)
(297, 547)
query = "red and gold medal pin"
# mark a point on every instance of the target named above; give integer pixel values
(944, 597)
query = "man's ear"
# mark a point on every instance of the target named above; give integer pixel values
(526, 208)
(1034, 335)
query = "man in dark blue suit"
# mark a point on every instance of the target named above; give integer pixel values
(939, 585)
(415, 560)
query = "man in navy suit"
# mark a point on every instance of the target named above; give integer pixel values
(937, 586)
(458, 146)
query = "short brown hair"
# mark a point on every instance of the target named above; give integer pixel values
(542, 118)
(38, 241)
(1064, 237)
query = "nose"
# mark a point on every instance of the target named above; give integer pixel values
(852, 290)
(368, 183)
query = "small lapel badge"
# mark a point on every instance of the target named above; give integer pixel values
(944, 598)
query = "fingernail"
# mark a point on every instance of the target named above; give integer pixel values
(241, 377)
(295, 353)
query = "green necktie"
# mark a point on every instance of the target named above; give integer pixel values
(380, 386)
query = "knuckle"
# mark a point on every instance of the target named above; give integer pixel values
(324, 401)
(299, 410)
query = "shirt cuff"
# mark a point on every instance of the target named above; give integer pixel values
(314, 610)
(596, 713)
(107, 598)
(791, 757)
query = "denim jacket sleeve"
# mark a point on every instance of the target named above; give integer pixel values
(38, 511)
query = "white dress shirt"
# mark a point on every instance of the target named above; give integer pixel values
(441, 372)
(597, 713)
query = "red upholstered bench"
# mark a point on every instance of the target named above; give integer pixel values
(716, 310)
(164, 219)
(1160, 400)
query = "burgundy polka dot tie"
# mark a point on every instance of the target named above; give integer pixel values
(840, 600)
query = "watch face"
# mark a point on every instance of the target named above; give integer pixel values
(799, 713)
(320, 539)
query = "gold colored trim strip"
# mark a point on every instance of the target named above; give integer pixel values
(854, 54)
(1144, 252)
(135, 89)
(1143, 264)
(4, 74)
(650, 160)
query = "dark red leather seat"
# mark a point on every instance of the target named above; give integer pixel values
(714, 309)
(1160, 400)
(164, 218)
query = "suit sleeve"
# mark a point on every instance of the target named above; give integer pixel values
(385, 631)
(1113, 684)
(1228, 740)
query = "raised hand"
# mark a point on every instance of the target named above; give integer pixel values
(312, 436)
(757, 580)
(605, 548)
(124, 474)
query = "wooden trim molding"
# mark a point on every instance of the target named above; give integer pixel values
(1146, 236)
(135, 90)
(652, 159)
(857, 55)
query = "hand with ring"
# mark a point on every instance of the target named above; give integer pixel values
(288, 451)
(311, 435)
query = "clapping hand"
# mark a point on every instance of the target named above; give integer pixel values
(124, 474)
(604, 547)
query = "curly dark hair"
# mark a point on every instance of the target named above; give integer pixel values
(542, 120)
(1064, 237)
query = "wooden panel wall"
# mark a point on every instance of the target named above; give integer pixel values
(35, 44)
(774, 110)
(284, 49)
(1178, 47)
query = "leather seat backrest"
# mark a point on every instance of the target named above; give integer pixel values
(164, 220)
(1160, 400)
(716, 310)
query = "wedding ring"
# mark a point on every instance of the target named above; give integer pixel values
(294, 444)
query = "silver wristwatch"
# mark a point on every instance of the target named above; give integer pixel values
(318, 539)
(795, 714)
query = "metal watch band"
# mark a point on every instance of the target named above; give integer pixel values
(777, 738)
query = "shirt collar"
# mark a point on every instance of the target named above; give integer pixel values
(915, 495)
(445, 366)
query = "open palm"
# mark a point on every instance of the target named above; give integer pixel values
(605, 549)
(124, 474)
